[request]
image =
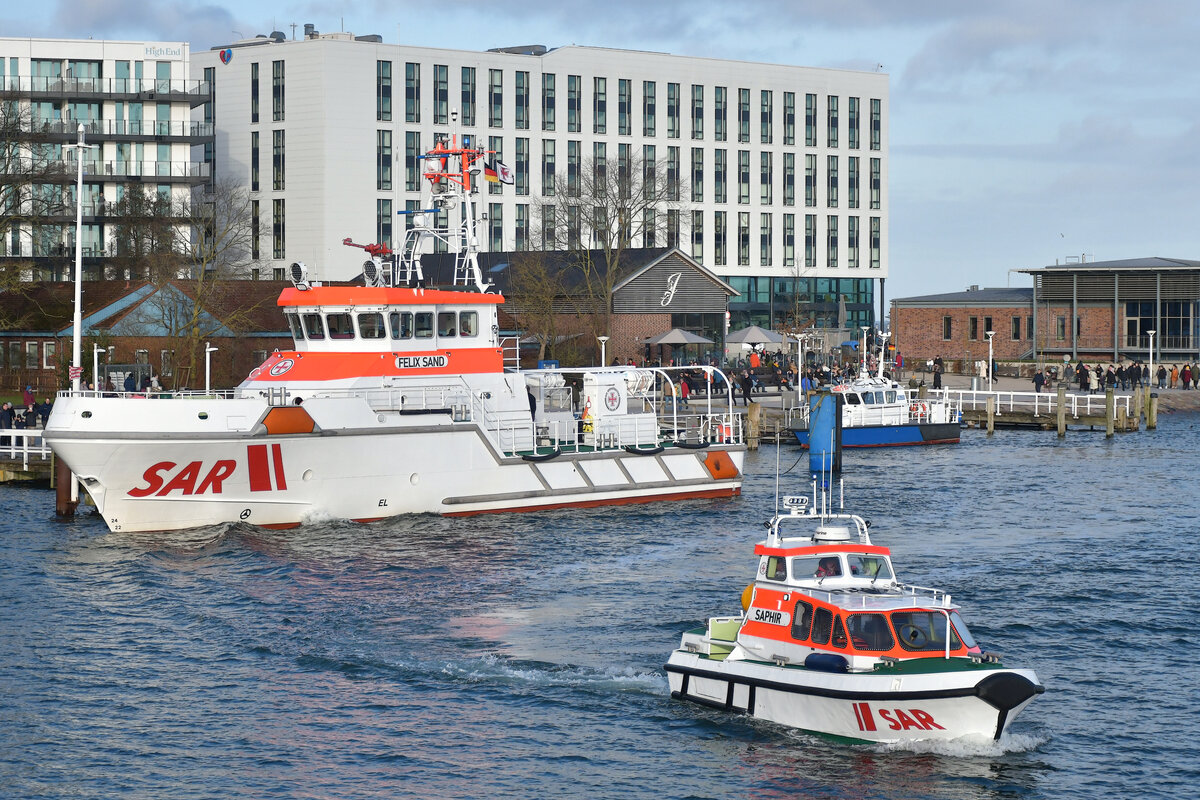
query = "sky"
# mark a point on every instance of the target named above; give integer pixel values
(1022, 132)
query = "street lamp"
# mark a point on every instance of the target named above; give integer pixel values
(990, 334)
(863, 354)
(1152, 380)
(96, 351)
(208, 351)
(602, 340)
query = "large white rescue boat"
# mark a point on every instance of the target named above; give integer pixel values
(832, 642)
(395, 399)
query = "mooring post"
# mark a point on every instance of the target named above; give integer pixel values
(991, 414)
(1109, 413)
(1062, 411)
(1152, 411)
(753, 425)
(64, 506)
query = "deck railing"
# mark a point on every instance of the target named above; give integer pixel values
(1077, 405)
(24, 445)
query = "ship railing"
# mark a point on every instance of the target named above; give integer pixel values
(18, 444)
(895, 596)
(1039, 403)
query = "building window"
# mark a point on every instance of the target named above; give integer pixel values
(672, 227)
(719, 176)
(48, 351)
(383, 91)
(441, 94)
(673, 170)
(412, 162)
(548, 227)
(624, 166)
(624, 107)
(548, 101)
(789, 118)
(383, 158)
(522, 97)
(649, 227)
(254, 161)
(573, 167)
(743, 177)
(548, 167)
(255, 230)
(719, 238)
(744, 239)
(1016, 329)
(789, 179)
(31, 355)
(876, 235)
(831, 242)
(672, 110)
(720, 113)
(789, 240)
(831, 110)
(698, 235)
(831, 181)
(852, 242)
(495, 98)
(764, 240)
(876, 124)
(649, 118)
(876, 192)
(810, 240)
(697, 174)
(697, 111)
(947, 329)
(1060, 328)
(254, 92)
(810, 120)
(277, 163)
(522, 232)
(574, 101)
(278, 249)
(852, 183)
(496, 148)
(468, 96)
(521, 179)
(599, 105)
(765, 174)
(743, 115)
(412, 92)
(649, 175)
(973, 328)
(767, 122)
(495, 227)
(810, 181)
(852, 124)
(383, 221)
(277, 91)
(600, 165)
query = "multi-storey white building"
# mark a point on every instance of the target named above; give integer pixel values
(782, 169)
(135, 101)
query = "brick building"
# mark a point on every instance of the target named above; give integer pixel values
(955, 325)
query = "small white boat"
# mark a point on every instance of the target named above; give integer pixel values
(832, 642)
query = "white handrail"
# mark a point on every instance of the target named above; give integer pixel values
(23, 443)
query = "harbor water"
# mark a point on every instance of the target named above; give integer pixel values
(521, 655)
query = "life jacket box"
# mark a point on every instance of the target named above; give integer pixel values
(605, 413)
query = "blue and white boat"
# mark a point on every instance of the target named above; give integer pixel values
(879, 412)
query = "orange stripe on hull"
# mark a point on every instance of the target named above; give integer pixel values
(281, 526)
(707, 493)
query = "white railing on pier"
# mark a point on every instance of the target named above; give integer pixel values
(23, 444)
(1039, 403)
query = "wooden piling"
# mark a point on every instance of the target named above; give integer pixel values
(1061, 408)
(753, 425)
(991, 414)
(1109, 416)
(1152, 411)
(64, 506)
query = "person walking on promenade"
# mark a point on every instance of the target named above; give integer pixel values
(1185, 376)
(1162, 376)
(1082, 374)
(1038, 380)
(1094, 379)
(747, 387)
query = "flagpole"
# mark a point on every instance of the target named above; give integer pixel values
(77, 318)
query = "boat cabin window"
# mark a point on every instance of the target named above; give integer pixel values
(853, 399)
(870, 632)
(802, 620)
(776, 568)
(923, 630)
(839, 633)
(341, 326)
(822, 626)
(468, 323)
(314, 326)
(297, 328)
(890, 397)
(424, 324)
(402, 324)
(370, 326)
(874, 567)
(446, 323)
(816, 567)
(960, 627)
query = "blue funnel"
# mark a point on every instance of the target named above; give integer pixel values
(824, 435)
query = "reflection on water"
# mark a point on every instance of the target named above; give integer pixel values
(521, 655)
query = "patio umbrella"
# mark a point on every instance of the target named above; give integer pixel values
(677, 336)
(754, 335)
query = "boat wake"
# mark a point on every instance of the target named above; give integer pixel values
(967, 746)
(497, 669)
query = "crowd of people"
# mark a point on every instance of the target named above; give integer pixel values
(29, 415)
(1123, 376)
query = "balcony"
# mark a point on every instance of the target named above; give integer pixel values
(194, 92)
(110, 129)
(154, 171)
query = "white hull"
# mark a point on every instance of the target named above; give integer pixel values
(168, 469)
(874, 707)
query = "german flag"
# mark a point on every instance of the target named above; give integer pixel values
(489, 172)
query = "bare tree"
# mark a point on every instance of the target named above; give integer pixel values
(145, 238)
(598, 211)
(538, 293)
